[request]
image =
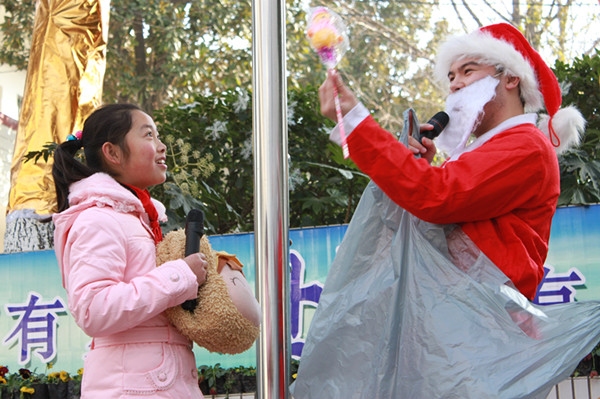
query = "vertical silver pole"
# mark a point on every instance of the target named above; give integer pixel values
(271, 196)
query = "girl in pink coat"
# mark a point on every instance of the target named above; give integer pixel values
(105, 237)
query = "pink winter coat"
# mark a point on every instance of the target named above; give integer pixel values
(106, 254)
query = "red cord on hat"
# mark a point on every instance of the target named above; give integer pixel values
(552, 134)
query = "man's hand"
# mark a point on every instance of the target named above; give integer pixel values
(327, 96)
(427, 150)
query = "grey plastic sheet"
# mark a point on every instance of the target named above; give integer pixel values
(398, 319)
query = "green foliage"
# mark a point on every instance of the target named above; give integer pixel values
(45, 153)
(580, 168)
(245, 371)
(324, 187)
(210, 163)
(210, 157)
(16, 32)
(211, 374)
(162, 51)
(196, 56)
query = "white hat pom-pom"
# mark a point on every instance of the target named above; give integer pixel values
(569, 125)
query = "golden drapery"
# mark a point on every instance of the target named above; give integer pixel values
(63, 85)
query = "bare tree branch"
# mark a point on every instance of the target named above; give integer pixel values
(491, 7)
(459, 16)
(391, 35)
(471, 13)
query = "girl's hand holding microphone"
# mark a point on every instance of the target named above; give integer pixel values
(198, 264)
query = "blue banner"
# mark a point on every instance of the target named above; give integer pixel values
(36, 327)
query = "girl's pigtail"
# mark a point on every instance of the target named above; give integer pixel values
(67, 169)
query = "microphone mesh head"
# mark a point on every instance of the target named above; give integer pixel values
(195, 215)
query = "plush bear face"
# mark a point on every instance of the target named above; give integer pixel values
(227, 316)
(241, 295)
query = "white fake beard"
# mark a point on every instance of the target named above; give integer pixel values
(465, 109)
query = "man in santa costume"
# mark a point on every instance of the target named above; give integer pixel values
(501, 181)
(427, 295)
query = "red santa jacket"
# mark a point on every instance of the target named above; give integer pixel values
(503, 194)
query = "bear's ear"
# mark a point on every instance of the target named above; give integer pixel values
(228, 259)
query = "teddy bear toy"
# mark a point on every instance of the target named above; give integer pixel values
(225, 318)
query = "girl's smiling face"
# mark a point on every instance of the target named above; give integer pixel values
(145, 165)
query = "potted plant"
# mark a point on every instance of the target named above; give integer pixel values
(58, 384)
(211, 376)
(30, 385)
(247, 376)
(74, 385)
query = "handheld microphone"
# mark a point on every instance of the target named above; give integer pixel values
(194, 230)
(439, 122)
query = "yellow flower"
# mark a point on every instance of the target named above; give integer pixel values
(80, 371)
(294, 375)
(64, 376)
(28, 390)
(2, 380)
(49, 365)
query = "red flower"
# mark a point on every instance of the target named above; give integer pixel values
(593, 373)
(3, 371)
(212, 391)
(25, 373)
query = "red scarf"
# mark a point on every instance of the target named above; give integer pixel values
(144, 196)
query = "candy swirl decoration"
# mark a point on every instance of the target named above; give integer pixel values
(327, 35)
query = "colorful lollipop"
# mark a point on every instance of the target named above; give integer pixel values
(327, 36)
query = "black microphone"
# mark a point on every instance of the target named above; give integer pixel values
(439, 122)
(194, 230)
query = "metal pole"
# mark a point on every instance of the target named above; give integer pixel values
(271, 197)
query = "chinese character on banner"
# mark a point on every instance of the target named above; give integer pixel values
(558, 287)
(36, 327)
(302, 294)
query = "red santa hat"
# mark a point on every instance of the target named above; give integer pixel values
(505, 47)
